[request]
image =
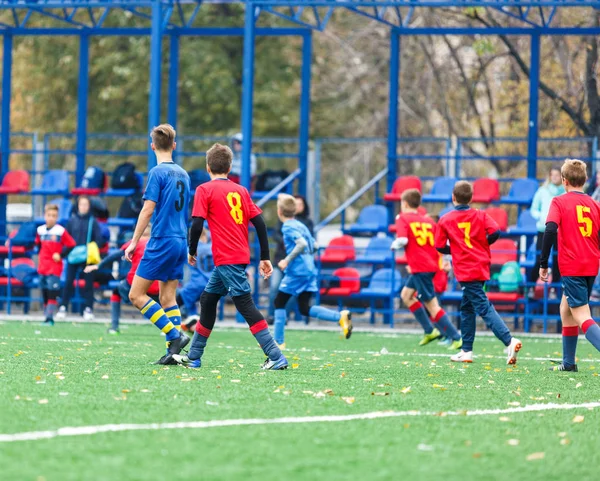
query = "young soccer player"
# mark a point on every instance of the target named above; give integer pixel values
(166, 197)
(575, 218)
(300, 279)
(415, 233)
(228, 208)
(55, 243)
(470, 233)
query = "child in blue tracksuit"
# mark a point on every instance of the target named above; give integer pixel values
(300, 274)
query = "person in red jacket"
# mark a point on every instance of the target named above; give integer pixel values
(469, 233)
(55, 243)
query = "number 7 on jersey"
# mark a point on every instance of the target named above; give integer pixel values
(466, 226)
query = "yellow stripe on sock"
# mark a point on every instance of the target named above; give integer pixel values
(168, 327)
(144, 309)
(157, 315)
(178, 327)
(173, 313)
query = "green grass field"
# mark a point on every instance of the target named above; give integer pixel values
(74, 375)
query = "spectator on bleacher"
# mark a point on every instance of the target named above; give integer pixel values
(595, 188)
(78, 227)
(539, 211)
(103, 273)
(54, 243)
(302, 215)
(236, 165)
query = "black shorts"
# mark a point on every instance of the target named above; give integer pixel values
(578, 289)
(422, 282)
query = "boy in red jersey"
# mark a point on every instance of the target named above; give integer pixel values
(228, 207)
(470, 233)
(575, 217)
(415, 233)
(55, 243)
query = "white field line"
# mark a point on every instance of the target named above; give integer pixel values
(106, 428)
(481, 357)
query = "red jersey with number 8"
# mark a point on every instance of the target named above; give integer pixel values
(467, 230)
(578, 218)
(227, 207)
(421, 254)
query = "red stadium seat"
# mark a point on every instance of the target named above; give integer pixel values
(340, 250)
(15, 250)
(420, 210)
(500, 216)
(349, 283)
(486, 190)
(503, 251)
(15, 182)
(400, 185)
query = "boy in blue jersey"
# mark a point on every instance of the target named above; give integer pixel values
(166, 197)
(300, 274)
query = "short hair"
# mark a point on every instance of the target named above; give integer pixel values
(49, 207)
(219, 158)
(412, 197)
(463, 192)
(163, 137)
(287, 205)
(575, 172)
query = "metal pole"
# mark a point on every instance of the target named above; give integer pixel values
(393, 115)
(82, 106)
(534, 83)
(5, 121)
(173, 81)
(305, 111)
(247, 93)
(155, 73)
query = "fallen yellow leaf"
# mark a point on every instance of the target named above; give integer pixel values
(349, 400)
(295, 365)
(578, 419)
(535, 456)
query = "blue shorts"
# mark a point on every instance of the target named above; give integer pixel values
(422, 282)
(229, 279)
(50, 283)
(577, 290)
(295, 286)
(164, 259)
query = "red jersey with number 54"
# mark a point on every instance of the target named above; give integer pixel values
(578, 218)
(227, 207)
(467, 230)
(421, 254)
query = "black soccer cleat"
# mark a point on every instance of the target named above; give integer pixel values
(176, 345)
(166, 360)
(563, 367)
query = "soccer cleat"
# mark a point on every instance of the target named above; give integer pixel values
(166, 360)
(48, 322)
(113, 332)
(455, 345)
(190, 323)
(186, 361)
(564, 367)
(88, 315)
(61, 315)
(513, 348)
(346, 323)
(278, 365)
(462, 356)
(432, 336)
(176, 345)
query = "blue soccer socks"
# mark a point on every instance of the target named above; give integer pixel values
(592, 332)
(279, 326)
(324, 314)
(157, 316)
(199, 342)
(445, 326)
(260, 330)
(174, 315)
(569, 342)
(115, 311)
(421, 316)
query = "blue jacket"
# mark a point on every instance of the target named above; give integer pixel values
(541, 203)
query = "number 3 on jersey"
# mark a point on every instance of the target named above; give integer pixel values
(586, 228)
(235, 202)
(466, 226)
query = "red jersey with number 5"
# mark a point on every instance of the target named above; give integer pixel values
(227, 207)
(578, 218)
(421, 254)
(467, 230)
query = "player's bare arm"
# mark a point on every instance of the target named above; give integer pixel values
(142, 224)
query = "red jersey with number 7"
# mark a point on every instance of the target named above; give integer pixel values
(227, 207)
(578, 218)
(467, 229)
(421, 254)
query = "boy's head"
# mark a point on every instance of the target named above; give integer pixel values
(410, 200)
(218, 160)
(163, 138)
(462, 193)
(574, 173)
(286, 207)
(51, 215)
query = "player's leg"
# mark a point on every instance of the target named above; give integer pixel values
(52, 293)
(577, 293)
(168, 299)
(68, 290)
(570, 336)
(280, 317)
(443, 323)
(343, 318)
(408, 296)
(468, 322)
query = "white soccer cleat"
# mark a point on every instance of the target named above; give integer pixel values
(61, 315)
(462, 356)
(513, 348)
(88, 315)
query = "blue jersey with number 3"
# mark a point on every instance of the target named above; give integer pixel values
(169, 186)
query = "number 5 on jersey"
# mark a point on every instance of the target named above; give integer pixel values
(586, 228)
(235, 202)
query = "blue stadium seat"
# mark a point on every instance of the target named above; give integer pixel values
(54, 182)
(526, 225)
(521, 192)
(377, 252)
(381, 284)
(371, 220)
(441, 191)
(110, 192)
(65, 206)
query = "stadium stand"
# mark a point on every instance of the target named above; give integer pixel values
(371, 220)
(441, 191)
(339, 251)
(54, 182)
(400, 185)
(486, 191)
(521, 192)
(377, 252)
(500, 216)
(15, 182)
